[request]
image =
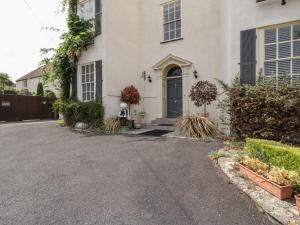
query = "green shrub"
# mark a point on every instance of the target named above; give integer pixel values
(75, 111)
(10, 92)
(262, 111)
(274, 154)
(25, 92)
(50, 94)
(40, 89)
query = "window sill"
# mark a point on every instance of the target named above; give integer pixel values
(177, 39)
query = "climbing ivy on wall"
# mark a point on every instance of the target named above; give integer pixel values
(62, 65)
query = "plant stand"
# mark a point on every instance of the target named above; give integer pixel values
(131, 124)
(123, 124)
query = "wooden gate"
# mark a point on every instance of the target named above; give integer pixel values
(17, 108)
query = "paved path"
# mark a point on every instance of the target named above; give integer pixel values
(51, 176)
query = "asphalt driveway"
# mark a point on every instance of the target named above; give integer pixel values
(51, 176)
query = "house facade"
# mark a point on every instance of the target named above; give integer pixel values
(163, 47)
(31, 80)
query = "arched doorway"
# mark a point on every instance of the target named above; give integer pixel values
(174, 92)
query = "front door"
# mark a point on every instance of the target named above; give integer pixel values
(174, 93)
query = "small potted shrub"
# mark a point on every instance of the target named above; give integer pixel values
(277, 181)
(203, 93)
(198, 125)
(131, 96)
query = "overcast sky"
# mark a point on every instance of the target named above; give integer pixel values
(22, 36)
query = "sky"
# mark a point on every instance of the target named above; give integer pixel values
(22, 34)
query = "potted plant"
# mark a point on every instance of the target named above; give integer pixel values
(203, 93)
(274, 181)
(131, 96)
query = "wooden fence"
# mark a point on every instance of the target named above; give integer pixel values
(17, 108)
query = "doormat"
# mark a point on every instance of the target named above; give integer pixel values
(155, 133)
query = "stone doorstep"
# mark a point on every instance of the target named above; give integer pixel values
(280, 211)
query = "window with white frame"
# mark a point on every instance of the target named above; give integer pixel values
(88, 82)
(172, 20)
(282, 52)
(86, 9)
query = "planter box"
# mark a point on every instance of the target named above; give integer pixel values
(281, 192)
(297, 197)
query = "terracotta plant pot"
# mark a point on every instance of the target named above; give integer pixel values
(281, 192)
(297, 197)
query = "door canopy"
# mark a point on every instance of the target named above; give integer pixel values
(171, 60)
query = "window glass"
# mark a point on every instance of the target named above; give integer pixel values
(86, 9)
(284, 50)
(296, 48)
(284, 34)
(270, 68)
(88, 82)
(296, 33)
(282, 53)
(270, 52)
(270, 36)
(284, 67)
(172, 20)
(296, 66)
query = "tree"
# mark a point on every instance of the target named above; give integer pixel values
(5, 81)
(40, 89)
(203, 93)
(130, 95)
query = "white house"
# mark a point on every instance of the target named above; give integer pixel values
(163, 47)
(30, 82)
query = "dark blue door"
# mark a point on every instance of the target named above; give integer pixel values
(174, 97)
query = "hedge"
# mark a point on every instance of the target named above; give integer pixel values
(274, 153)
(263, 111)
(75, 111)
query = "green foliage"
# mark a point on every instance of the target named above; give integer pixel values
(25, 92)
(237, 144)
(50, 94)
(61, 123)
(5, 81)
(40, 89)
(75, 111)
(274, 153)
(10, 92)
(62, 65)
(262, 111)
(215, 155)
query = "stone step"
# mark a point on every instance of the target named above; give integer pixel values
(164, 121)
(160, 127)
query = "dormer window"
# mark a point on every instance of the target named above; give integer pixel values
(86, 9)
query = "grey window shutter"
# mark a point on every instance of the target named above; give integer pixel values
(248, 57)
(99, 80)
(74, 84)
(98, 17)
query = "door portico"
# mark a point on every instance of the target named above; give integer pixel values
(162, 68)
